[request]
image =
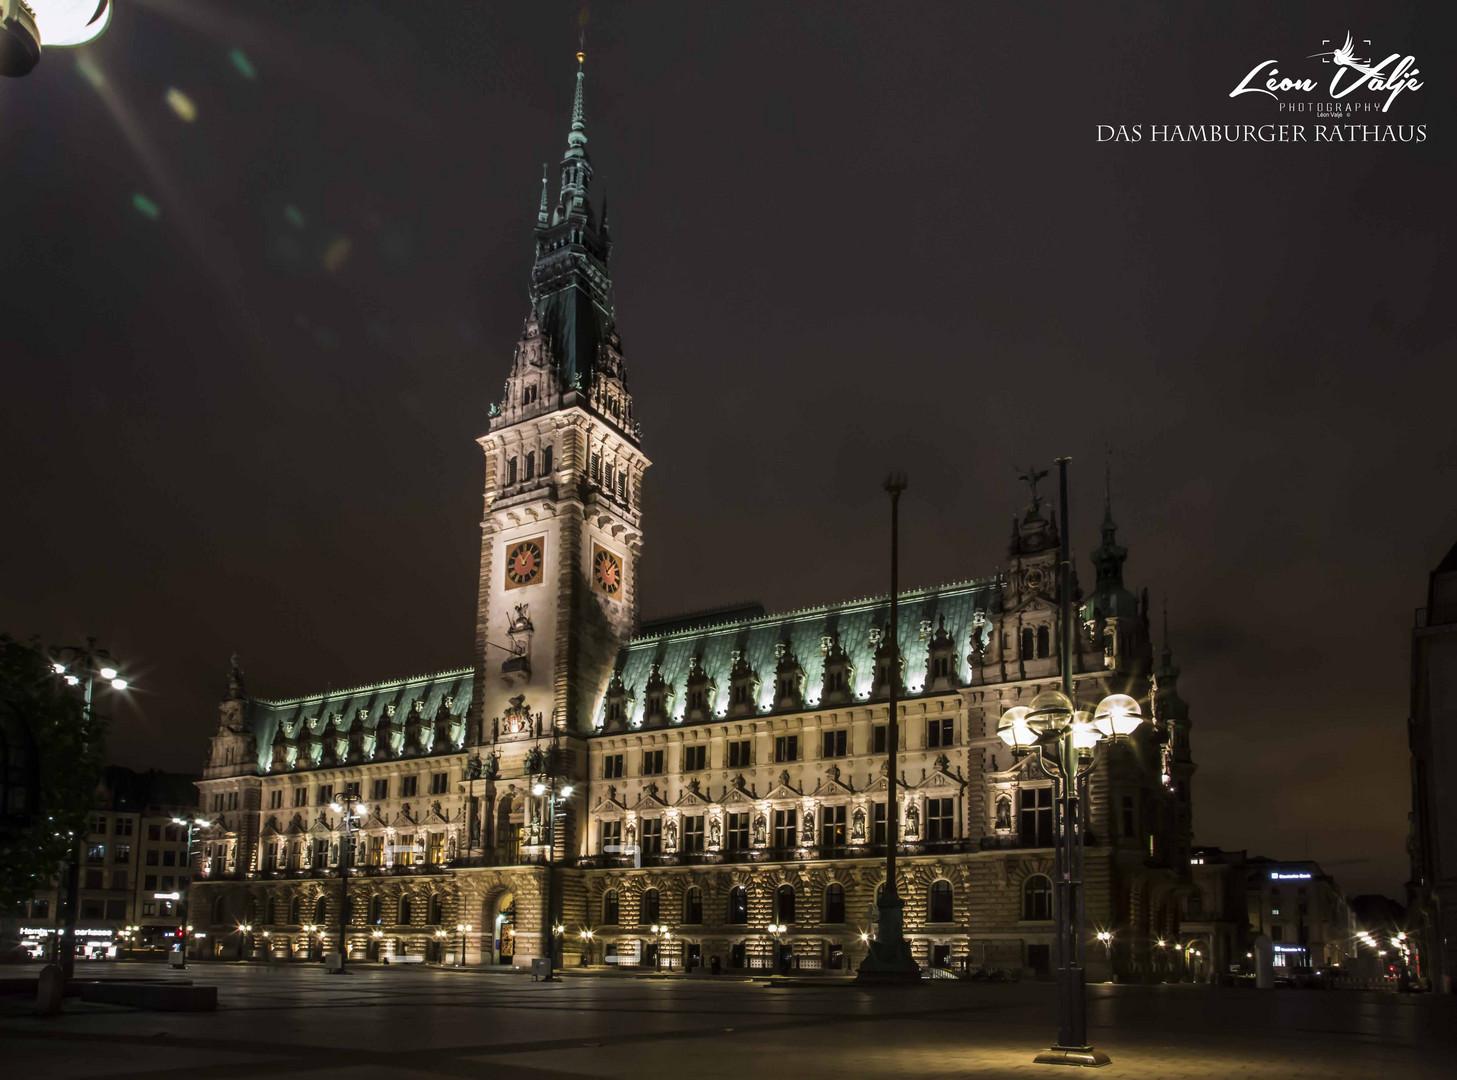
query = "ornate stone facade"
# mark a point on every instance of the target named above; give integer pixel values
(712, 774)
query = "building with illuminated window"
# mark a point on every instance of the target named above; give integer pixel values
(712, 774)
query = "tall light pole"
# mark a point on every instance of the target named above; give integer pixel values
(80, 666)
(546, 766)
(889, 958)
(1067, 738)
(464, 929)
(347, 804)
(190, 821)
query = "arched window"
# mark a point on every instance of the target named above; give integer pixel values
(511, 471)
(220, 910)
(545, 460)
(1037, 898)
(376, 910)
(530, 464)
(648, 912)
(1028, 638)
(784, 903)
(293, 912)
(321, 910)
(434, 914)
(405, 912)
(834, 903)
(272, 911)
(939, 905)
(609, 908)
(1044, 641)
(693, 907)
(738, 906)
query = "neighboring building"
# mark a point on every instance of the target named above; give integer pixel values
(1432, 735)
(1215, 932)
(727, 769)
(1303, 910)
(132, 851)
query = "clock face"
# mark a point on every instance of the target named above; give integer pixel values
(1035, 579)
(523, 563)
(606, 572)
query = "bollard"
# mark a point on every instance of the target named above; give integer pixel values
(50, 988)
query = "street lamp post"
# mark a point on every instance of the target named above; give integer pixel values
(464, 929)
(776, 940)
(546, 766)
(1067, 738)
(347, 804)
(79, 666)
(661, 933)
(244, 930)
(889, 958)
(191, 821)
(586, 938)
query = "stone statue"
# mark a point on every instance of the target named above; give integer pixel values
(857, 824)
(473, 767)
(760, 828)
(913, 821)
(670, 836)
(491, 767)
(714, 832)
(1004, 813)
(807, 834)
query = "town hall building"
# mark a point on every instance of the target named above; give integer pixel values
(663, 793)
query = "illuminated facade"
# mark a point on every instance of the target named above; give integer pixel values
(726, 769)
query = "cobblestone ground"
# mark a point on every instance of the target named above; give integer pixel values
(285, 1021)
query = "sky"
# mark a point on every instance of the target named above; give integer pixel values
(265, 266)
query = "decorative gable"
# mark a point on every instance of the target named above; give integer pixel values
(743, 687)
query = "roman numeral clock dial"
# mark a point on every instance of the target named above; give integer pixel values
(523, 563)
(606, 572)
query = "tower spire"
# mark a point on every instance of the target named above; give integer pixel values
(542, 217)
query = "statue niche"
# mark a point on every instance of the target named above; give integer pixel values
(516, 668)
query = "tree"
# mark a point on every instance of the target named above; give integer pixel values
(66, 758)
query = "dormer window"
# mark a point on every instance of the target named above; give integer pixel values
(701, 692)
(941, 668)
(528, 394)
(743, 687)
(838, 685)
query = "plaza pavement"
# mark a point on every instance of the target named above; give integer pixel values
(296, 1020)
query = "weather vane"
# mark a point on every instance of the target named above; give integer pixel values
(1030, 478)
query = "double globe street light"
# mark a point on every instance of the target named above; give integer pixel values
(348, 804)
(1066, 738)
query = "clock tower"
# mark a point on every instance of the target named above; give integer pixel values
(561, 536)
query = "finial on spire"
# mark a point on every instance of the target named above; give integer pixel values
(541, 214)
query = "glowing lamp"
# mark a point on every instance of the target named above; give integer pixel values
(1050, 710)
(538, 789)
(567, 792)
(1013, 729)
(108, 673)
(25, 27)
(1117, 715)
(1085, 735)
(336, 808)
(119, 684)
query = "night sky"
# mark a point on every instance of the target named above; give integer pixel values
(240, 409)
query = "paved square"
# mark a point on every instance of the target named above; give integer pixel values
(297, 1020)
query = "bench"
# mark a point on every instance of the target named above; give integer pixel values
(404, 959)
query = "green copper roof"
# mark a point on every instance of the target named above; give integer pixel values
(805, 631)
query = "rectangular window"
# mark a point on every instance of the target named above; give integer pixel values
(738, 832)
(738, 755)
(119, 879)
(612, 767)
(1128, 823)
(168, 882)
(149, 883)
(940, 732)
(652, 836)
(511, 471)
(439, 783)
(321, 853)
(98, 825)
(95, 852)
(786, 828)
(693, 833)
(169, 858)
(171, 832)
(300, 796)
(123, 853)
(149, 907)
(834, 743)
(877, 823)
(116, 909)
(409, 787)
(435, 854)
(93, 879)
(786, 748)
(275, 800)
(1034, 816)
(545, 460)
(152, 857)
(531, 457)
(877, 739)
(217, 802)
(695, 758)
(611, 834)
(326, 794)
(123, 826)
(351, 787)
(940, 819)
(832, 826)
(652, 762)
(380, 789)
